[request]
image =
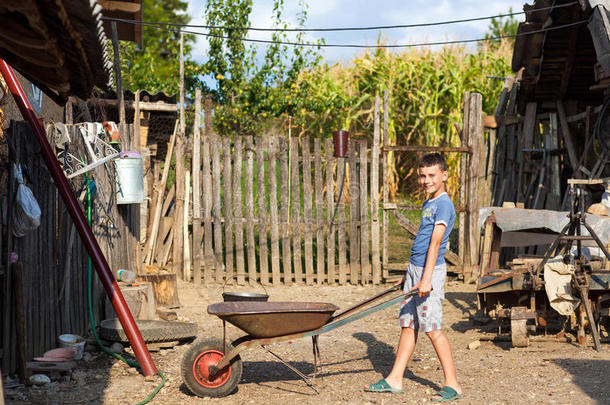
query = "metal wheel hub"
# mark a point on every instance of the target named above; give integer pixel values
(201, 369)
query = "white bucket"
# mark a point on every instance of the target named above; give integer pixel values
(129, 178)
(73, 341)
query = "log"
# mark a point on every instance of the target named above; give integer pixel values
(164, 288)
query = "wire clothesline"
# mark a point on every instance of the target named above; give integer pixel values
(330, 29)
(324, 45)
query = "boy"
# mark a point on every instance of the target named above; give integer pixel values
(426, 273)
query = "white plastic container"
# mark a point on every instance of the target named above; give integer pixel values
(129, 178)
(75, 342)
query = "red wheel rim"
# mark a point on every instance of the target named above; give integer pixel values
(201, 367)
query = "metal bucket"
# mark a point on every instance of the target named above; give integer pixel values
(129, 178)
(243, 296)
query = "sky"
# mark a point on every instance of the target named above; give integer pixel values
(344, 13)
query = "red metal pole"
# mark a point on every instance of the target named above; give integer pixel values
(99, 261)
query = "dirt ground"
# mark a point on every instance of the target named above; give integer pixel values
(359, 353)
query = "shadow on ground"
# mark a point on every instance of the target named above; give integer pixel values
(589, 375)
(382, 356)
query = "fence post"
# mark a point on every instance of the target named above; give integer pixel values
(196, 168)
(474, 137)
(375, 188)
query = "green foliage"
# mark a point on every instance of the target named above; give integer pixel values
(155, 65)
(251, 96)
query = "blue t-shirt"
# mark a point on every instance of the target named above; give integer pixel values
(439, 210)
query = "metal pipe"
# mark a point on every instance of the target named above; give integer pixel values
(101, 265)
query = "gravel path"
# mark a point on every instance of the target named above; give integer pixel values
(361, 352)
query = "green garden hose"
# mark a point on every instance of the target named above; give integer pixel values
(92, 320)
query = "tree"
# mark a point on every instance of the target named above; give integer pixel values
(155, 64)
(251, 93)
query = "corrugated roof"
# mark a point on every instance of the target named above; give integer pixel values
(59, 46)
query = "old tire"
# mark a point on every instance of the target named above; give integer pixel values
(152, 331)
(195, 363)
(518, 333)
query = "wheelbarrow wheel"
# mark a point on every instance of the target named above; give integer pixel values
(195, 369)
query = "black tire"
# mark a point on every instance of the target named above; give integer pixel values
(152, 331)
(195, 374)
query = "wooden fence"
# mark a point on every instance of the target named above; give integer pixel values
(285, 210)
(48, 282)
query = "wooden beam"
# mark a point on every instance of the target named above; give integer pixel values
(127, 7)
(144, 106)
(567, 136)
(410, 148)
(117, 73)
(567, 71)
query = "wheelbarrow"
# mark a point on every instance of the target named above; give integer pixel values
(213, 367)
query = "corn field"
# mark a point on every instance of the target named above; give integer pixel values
(426, 93)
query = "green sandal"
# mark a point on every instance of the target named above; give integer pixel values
(382, 386)
(447, 394)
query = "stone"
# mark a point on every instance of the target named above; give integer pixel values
(116, 347)
(474, 345)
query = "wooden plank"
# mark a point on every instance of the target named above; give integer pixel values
(157, 215)
(284, 211)
(330, 209)
(177, 256)
(196, 167)
(117, 72)
(249, 208)
(307, 211)
(208, 250)
(567, 136)
(295, 194)
(341, 222)
(155, 189)
(262, 212)
(354, 214)
(475, 130)
(228, 194)
(386, 192)
(554, 199)
(144, 207)
(273, 215)
(317, 153)
(169, 198)
(216, 209)
(364, 214)
(185, 228)
(238, 212)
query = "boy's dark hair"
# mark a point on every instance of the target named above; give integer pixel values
(433, 159)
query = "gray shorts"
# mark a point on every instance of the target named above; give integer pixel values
(426, 313)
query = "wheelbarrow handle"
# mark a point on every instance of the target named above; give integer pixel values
(356, 307)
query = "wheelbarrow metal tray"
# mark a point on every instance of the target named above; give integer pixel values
(271, 319)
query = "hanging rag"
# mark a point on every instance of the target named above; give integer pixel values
(558, 285)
